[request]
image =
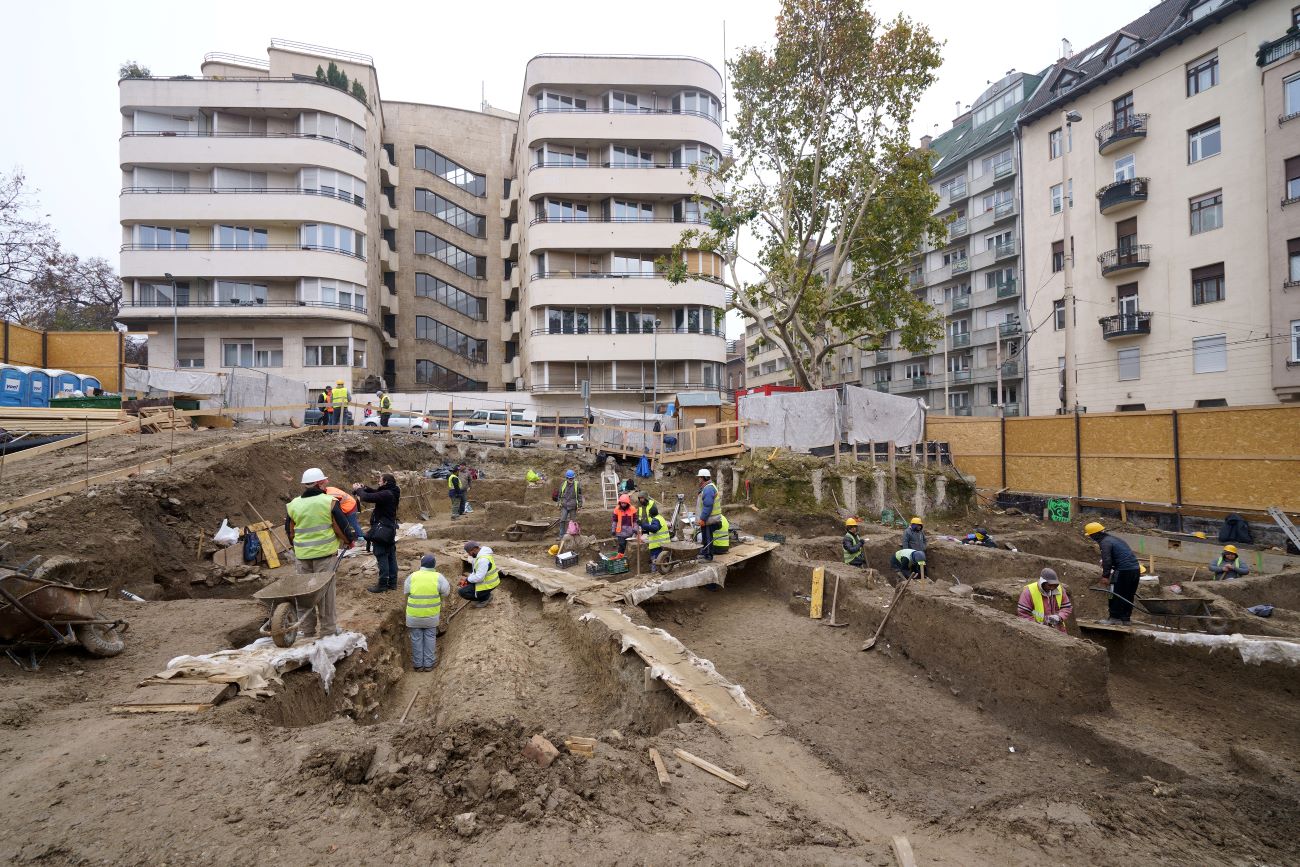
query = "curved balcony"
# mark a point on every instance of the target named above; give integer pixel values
(1125, 259)
(1122, 194)
(658, 234)
(1125, 325)
(557, 288)
(263, 92)
(269, 152)
(600, 345)
(214, 261)
(1110, 136)
(244, 310)
(655, 126)
(229, 204)
(597, 179)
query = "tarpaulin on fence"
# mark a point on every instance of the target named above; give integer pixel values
(256, 388)
(873, 416)
(799, 421)
(154, 381)
(609, 425)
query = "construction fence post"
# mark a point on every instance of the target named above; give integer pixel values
(508, 415)
(1178, 470)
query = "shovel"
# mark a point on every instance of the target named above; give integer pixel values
(835, 596)
(898, 597)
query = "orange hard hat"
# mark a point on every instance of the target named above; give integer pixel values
(624, 500)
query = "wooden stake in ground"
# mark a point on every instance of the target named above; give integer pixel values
(818, 590)
(903, 852)
(660, 770)
(712, 769)
(410, 704)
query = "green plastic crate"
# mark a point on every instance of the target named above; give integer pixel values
(114, 402)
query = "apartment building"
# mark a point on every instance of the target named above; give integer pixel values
(288, 219)
(1156, 140)
(604, 157)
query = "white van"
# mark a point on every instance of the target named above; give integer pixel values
(490, 426)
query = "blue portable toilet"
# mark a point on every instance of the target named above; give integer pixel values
(13, 386)
(87, 383)
(37, 386)
(62, 380)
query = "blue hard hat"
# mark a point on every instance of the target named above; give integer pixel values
(569, 474)
(970, 536)
(428, 561)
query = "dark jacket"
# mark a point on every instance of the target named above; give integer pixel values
(914, 539)
(1116, 555)
(1235, 529)
(342, 525)
(386, 498)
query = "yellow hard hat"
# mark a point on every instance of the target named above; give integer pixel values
(1199, 534)
(1230, 549)
(1142, 570)
(553, 550)
(851, 522)
(1093, 527)
(338, 382)
(916, 521)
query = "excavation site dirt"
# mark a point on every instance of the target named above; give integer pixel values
(978, 736)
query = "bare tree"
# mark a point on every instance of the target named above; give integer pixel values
(26, 241)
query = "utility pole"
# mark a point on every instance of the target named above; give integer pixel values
(947, 373)
(1069, 388)
(175, 325)
(997, 361)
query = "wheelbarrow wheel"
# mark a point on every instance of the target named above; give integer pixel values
(284, 626)
(99, 639)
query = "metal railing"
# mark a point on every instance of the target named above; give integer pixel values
(961, 302)
(706, 165)
(256, 79)
(695, 220)
(1131, 126)
(1007, 289)
(244, 303)
(960, 375)
(957, 228)
(350, 198)
(1003, 169)
(665, 385)
(1128, 190)
(300, 135)
(613, 275)
(701, 331)
(639, 110)
(1124, 258)
(1125, 324)
(959, 410)
(1008, 329)
(1272, 52)
(882, 356)
(957, 341)
(956, 192)
(960, 266)
(242, 248)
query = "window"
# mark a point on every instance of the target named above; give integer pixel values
(467, 221)
(1122, 112)
(325, 351)
(556, 211)
(1202, 74)
(1127, 297)
(327, 182)
(567, 320)
(999, 278)
(1293, 260)
(560, 155)
(998, 199)
(428, 244)
(1208, 284)
(694, 320)
(959, 363)
(915, 370)
(1054, 144)
(953, 187)
(332, 293)
(1056, 196)
(237, 353)
(319, 124)
(160, 294)
(1010, 395)
(231, 292)
(268, 352)
(1295, 340)
(1210, 354)
(1295, 17)
(1291, 96)
(695, 154)
(1125, 168)
(625, 264)
(547, 101)
(358, 352)
(954, 256)
(430, 329)
(1207, 212)
(1203, 8)
(1000, 242)
(240, 238)
(162, 238)
(1210, 403)
(996, 163)
(690, 211)
(441, 379)
(1131, 407)
(450, 171)
(428, 286)
(1058, 315)
(1125, 45)
(1058, 256)
(996, 106)
(1203, 142)
(697, 102)
(1057, 193)
(189, 352)
(336, 239)
(1292, 168)
(630, 156)
(959, 400)
(159, 180)
(618, 101)
(632, 212)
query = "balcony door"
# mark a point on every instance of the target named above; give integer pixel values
(1127, 296)
(1123, 112)
(1126, 241)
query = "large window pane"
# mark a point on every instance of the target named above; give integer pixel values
(451, 171)
(1210, 354)
(428, 244)
(467, 221)
(428, 286)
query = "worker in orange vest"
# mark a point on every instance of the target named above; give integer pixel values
(350, 507)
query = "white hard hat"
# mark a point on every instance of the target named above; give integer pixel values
(312, 476)
(704, 474)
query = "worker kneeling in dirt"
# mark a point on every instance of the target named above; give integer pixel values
(1229, 565)
(979, 537)
(908, 563)
(657, 534)
(483, 577)
(1045, 601)
(623, 524)
(317, 528)
(853, 552)
(424, 589)
(1119, 569)
(721, 535)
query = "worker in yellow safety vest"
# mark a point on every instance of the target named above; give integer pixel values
(484, 577)
(339, 399)
(721, 535)
(317, 528)
(424, 590)
(385, 408)
(1045, 601)
(645, 505)
(657, 533)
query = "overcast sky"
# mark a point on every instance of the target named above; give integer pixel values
(61, 58)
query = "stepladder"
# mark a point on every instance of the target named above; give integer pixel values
(1280, 518)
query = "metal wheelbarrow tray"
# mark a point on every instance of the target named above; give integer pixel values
(36, 613)
(292, 599)
(1171, 612)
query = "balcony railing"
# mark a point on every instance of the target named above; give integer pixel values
(260, 79)
(956, 193)
(1125, 325)
(350, 198)
(959, 410)
(960, 302)
(240, 303)
(1011, 409)
(882, 385)
(1002, 251)
(639, 110)
(299, 135)
(663, 329)
(960, 266)
(1111, 135)
(703, 165)
(242, 248)
(1115, 196)
(1002, 210)
(698, 220)
(957, 341)
(882, 356)
(665, 385)
(1125, 259)
(1007, 289)
(1010, 368)
(1008, 329)
(957, 228)
(616, 275)
(1272, 52)
(960, 375)
(1003, 169)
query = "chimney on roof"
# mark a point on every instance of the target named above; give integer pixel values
(925, 142)
(1067, 50)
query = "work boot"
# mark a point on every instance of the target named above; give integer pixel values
(378, 588)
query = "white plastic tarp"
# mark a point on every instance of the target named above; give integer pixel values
(611, 423)
(873, 416)
(151, 381)
(256, 388)
(799, 421)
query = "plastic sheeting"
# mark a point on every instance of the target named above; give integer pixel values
(255, 667)
(1254, 651)
(640, 429)
(256, 388)
(873, 416)
(154, 381)
(799, 421)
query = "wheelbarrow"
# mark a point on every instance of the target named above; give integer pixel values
(293, 598)
(1171, 612)
(529, 529)
(37, 613)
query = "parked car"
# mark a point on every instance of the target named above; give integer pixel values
(421, 423)
(490, 426)
(313, 415)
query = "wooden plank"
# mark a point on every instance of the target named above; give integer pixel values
(268, 549)
(712, 769)
(903, 852)
(660, 770)
(818, 589)
(188, 697)
(121, 428)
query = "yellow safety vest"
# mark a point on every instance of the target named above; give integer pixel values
(660, 535)
(722, 535)
(313, 526)
(643, 512)
(385, 403)
(491, 579)
(717, 501)
(339, 394)
(453, 482)
(1036, 593)
(424, 599)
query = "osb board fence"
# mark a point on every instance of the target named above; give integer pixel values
(90, 353)
(1231, 458)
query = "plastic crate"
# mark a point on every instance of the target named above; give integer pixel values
(615, 567)
(114, 402)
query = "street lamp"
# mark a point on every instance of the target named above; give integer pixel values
(1071, 396)
(175, 330)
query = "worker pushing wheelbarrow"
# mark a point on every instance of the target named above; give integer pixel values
(293, 600)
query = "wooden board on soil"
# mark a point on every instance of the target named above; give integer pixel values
(187, 697)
